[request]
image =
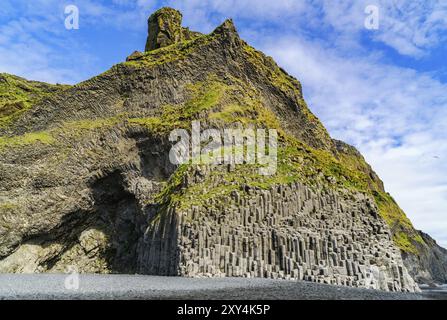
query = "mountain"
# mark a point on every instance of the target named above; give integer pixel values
(87, 180)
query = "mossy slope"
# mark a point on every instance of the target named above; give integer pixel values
(17, 95)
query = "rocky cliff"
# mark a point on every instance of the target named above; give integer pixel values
(86, 180)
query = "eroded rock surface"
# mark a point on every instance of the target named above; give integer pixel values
(165, 28)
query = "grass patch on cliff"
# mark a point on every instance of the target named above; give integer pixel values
(63, 136)
(174, 52)
(203, 97)
(80, 127)
(296, 163)
(249, 112)
(267, 65)
(26, 139)
(153, 124)
(390, 212)
(7, 207)
(17, 95)
(404, 234)
(403, 241)
(290, 86)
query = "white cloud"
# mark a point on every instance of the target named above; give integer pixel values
(23, 52)
(35, 44)
(412, 27)
(409, 27)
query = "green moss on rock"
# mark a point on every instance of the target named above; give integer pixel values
(26, 139)
(203, 96)
(404, 234)
(174, 52)
(18, 95)
(288, 85)
(165, 28)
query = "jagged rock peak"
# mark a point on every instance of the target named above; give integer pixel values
(227, 27)
(227, 30)
(165, 28)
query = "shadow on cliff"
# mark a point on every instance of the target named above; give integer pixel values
(117, 215)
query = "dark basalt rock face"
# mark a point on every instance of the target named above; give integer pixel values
(86, 181)
(429, 265)
(165, 28)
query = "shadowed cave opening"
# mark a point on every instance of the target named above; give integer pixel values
(112, 230)
(117, 215)
(114, 216)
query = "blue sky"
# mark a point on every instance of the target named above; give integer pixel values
(384, 91)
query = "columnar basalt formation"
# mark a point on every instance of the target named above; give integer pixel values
(287, 232)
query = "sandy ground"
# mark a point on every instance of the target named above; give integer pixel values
(61, 286)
